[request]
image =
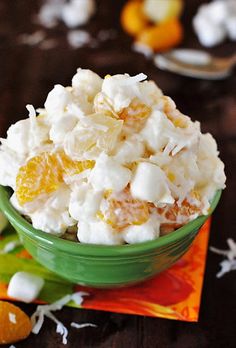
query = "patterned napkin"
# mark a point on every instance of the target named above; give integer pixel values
(173, 294)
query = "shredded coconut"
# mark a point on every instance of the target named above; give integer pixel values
(81, 326)
(42, 311)
(12, 318)
(228, 264)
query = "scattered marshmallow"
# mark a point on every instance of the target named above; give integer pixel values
(215, 21)
(77, 12)
(25, 286)
(74, 13)
(78, 38)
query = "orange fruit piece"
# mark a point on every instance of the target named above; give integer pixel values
(43, 174)
(133, 20)
(15, 325)
(172, 212)
(124, 210)
(162, 36)
(135, 115)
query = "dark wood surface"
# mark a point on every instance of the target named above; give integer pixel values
(26, 76)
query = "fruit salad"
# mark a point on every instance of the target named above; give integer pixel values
(109, 161)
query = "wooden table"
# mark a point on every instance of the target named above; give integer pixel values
(27, 74)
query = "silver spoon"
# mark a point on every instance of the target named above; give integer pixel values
(195, 63)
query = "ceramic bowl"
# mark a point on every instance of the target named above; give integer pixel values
(102, 265)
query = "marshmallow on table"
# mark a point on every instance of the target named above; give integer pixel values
(215, 21)
(25, 286)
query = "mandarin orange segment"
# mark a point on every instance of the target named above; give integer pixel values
(15, 325)
(124, 210)
(133, 20)
(135, 115)
(162, 36)
(186, 209)
(43, 174)
(70, 167)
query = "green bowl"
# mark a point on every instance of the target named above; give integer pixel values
(101, 265)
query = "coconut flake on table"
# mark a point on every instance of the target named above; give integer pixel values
(81, 326)
(43, 311)
(229, 264)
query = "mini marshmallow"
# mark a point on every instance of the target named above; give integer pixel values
(142, 233)
(208, 32)
(109, 175)
(215, 21)
(25, 286)
(150, 184)
(77, 12)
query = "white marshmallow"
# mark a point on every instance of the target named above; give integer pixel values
(84, 203)
(108, 174)
(24, 286)
(150, 184)
(77, 12)
(57, 100)
(142, 233)
(86, 81)
(98, 233)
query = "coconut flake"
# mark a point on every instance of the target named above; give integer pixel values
(133, 79)
(12, 317)
(42, 311)
(81, 326)
(228, 264)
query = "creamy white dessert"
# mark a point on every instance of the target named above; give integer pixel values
(111, 160)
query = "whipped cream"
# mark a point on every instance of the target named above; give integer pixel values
(128, 165)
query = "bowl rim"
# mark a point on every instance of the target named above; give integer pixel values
(85, 249)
